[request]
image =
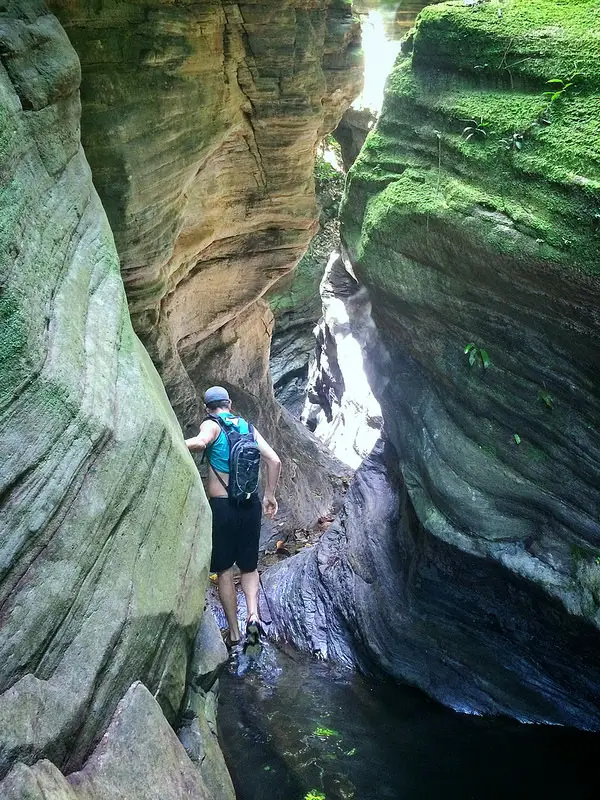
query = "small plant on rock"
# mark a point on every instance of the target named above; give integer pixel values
(547, 399)
(475, 129)
(514, 142)
(477, 355)
(559, 87)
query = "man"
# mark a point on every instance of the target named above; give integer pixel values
(236, 528)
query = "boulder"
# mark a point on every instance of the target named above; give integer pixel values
(138, 758)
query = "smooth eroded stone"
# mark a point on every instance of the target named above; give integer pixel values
(209, 648)
(105, 530)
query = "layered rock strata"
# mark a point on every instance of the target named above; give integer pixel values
(200, 122)
(104, 543)
(471, 217)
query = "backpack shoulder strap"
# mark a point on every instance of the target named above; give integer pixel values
(213, 418)
(219, 478)
(225, 429)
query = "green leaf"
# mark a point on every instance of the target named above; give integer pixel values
(485, 359)
(554, 80)
(470, 346)
(320, 731)
(472, 357)
(547, 399)
(518, 144)
(517, 438)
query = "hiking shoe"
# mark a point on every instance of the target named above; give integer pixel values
(252, 643)
(230, 643)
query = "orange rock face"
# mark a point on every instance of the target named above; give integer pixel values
(200, 122)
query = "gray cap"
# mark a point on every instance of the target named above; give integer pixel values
(215, 393)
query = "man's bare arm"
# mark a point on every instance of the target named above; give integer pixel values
(273, 469)
(207, 434)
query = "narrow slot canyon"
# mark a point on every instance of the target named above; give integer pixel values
(376, 226)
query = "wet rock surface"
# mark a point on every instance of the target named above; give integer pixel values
(340, 406)
(380, 593)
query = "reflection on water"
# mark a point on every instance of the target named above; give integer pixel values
(291, 727)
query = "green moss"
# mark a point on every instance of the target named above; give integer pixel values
(300, 289)
(13, 343)
(547, 187)
(514, 40)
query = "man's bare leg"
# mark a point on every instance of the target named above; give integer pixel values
(228, 598)
(250, 584)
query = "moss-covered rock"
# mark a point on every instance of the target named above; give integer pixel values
(473, 217)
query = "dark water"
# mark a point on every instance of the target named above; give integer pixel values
(291, 726)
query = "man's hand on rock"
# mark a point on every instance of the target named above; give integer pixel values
(270, 506)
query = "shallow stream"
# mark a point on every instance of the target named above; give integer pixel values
(294, 728)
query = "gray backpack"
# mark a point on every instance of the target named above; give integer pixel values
(244, 462)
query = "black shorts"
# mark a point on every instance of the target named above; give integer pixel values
(235, 534)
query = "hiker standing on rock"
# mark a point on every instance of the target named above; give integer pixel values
(234, 448)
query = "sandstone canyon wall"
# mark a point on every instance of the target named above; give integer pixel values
(200, 123)
(104, 524)
(471, 216)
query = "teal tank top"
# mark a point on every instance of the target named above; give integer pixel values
(218, 451)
